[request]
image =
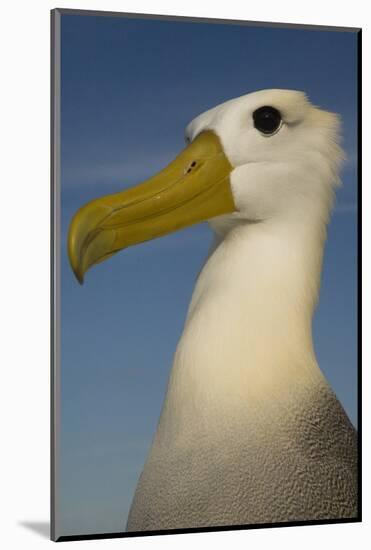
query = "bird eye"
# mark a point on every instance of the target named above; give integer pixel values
(267, 120)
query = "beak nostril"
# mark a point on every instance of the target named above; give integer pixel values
(188, 169)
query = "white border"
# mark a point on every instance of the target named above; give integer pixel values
(25, 266)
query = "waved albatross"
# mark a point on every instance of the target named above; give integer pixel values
(250, 431)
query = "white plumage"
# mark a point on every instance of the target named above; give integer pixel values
(247, 408)
(250, 431)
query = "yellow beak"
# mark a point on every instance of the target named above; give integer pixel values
(193, 188)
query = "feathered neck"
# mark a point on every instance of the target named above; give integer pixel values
(246, 351)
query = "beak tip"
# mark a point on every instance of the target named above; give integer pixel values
(78, 272)
(79, 276)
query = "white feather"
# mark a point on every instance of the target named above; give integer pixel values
(246, 354)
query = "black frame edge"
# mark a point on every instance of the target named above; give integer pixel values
(54, 250)
(52, 454)
(359, 266)
(97, 536)
(194, 19)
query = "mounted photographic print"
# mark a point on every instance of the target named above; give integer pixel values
(204, 274)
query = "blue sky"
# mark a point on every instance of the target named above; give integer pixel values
(129, 87)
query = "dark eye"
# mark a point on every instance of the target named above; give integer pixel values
(267, 120)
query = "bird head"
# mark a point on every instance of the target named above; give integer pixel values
(266, 155)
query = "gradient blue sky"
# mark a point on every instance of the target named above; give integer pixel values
(129, 87)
